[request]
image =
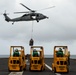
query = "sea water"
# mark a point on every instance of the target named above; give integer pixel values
(46, 56)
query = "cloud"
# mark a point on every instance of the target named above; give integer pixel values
(59, 29)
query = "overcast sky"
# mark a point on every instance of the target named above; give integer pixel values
(59, 29)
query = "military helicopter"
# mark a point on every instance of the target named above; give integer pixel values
(30, 15)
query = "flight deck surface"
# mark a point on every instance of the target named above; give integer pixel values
(47, 71)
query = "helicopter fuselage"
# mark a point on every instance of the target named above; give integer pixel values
(29, 17)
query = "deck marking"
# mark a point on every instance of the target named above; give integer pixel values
(16, 73)
(48, 67)
(26, 60)
(57, 73)
(51, 69)
(27, 63)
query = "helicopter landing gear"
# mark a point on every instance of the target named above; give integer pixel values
(12, 23)
(37, 20)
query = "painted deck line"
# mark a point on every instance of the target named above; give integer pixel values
(16, 73)
(51, 69)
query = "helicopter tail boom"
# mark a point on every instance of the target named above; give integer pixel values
(6, 17)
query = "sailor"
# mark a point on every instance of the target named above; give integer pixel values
(35, 53)
(60, 53)
(16, 52)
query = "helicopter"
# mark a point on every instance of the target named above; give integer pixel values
(30, 15)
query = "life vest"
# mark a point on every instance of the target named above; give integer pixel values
(16, 54)
(35, 53)
(59, 54)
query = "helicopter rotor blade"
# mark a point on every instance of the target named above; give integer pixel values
(25, 6)
(45, 8)
(20, 12)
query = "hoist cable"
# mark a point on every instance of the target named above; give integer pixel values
(32, 30)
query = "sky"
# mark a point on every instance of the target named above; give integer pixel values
(59, 29)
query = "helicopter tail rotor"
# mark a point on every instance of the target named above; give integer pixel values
(5, 13)
(6, 17)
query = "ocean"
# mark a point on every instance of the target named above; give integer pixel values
(46, 56)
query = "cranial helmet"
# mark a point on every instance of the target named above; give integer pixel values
(16, 50)
(60, 49)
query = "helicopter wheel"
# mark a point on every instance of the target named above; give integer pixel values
(12, 23)
(37, 20)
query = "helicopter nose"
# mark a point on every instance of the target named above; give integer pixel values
(46, 17)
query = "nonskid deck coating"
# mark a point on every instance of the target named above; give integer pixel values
(48, 61)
